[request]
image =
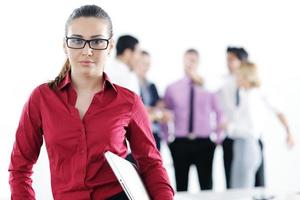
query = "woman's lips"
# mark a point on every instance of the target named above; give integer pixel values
(86, 62)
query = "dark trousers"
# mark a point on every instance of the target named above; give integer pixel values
(130, 158)
(119, 196)
(157, 140)
(186, 152)
(228, 156)
(260, 174)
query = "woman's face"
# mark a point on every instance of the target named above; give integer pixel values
(190, 62)
(87, 60)
(242, 81)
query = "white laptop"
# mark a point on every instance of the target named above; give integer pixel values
(127, 176)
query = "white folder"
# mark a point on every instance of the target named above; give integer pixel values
(127, 176)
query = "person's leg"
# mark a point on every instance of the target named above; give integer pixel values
(260, 174)
(227, 158)
(203, 158)
(239, 167)
(245, 163)
(181, 161)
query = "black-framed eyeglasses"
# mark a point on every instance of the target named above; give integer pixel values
(79, 43)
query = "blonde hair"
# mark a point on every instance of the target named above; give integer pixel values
(249, 72)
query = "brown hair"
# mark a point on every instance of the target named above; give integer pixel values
(83, 11)
(194, 51)
(65, 69)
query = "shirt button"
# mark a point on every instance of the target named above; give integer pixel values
(82, 151)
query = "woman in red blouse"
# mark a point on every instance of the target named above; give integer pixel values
(80, 115)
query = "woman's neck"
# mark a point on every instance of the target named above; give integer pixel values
(87, 82)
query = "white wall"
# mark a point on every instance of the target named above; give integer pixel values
(31, 53)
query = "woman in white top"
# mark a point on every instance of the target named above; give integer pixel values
(247, 126)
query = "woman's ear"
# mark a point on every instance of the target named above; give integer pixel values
(65, 47)
(111, 46)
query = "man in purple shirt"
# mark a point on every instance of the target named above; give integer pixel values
(195, 110)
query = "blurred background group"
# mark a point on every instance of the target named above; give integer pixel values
(192, 121)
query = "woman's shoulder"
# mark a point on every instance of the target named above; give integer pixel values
(42, 89)
(125, 93)
(36, 93)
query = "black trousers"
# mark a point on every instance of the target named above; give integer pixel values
(157, 140)
(260, 174)
(186, 152)
(227, 159)
(119, 196)
(228, 156)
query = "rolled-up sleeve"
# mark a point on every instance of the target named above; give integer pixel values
(26, 149)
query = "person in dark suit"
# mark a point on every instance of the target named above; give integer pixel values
(149, 94)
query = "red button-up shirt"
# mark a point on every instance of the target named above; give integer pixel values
(76, 147)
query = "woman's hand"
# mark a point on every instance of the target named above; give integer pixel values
(290, 141)
(196, 78)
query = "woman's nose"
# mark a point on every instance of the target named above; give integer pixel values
(87, 50)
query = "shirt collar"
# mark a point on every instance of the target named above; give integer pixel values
(108, 83)
(187, 80)
(67, 80)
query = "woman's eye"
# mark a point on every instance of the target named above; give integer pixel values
(97, 42)
(76, 41)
